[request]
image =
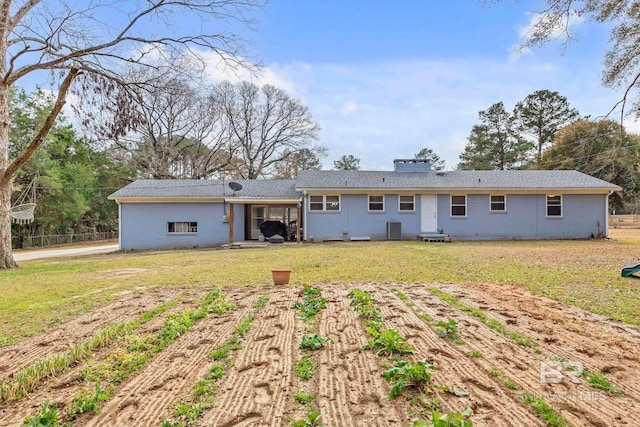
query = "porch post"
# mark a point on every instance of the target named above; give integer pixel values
(230, 219)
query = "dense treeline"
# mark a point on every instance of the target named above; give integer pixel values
(71, 176)
(544, 132)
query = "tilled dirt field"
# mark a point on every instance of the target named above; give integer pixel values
(485, 365)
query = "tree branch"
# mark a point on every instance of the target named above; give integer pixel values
(44, 130)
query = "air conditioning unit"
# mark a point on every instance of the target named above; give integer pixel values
(394, 230)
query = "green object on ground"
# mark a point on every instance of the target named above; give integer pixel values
(630, 270)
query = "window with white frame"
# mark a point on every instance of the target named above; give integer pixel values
(332, 203)
(376, 203)
(458, 205)
(316, 203)
(554, 205)
(324, 203)
(182, 227)
(498, 203)
(407, 203)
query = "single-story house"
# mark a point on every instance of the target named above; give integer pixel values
(405, 203)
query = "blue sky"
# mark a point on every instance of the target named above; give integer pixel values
(385, 79)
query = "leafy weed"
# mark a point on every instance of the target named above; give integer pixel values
(407, 374)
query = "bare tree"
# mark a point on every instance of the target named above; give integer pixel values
(622, 61)
(182, 134)
(83, 45)
(266, 127)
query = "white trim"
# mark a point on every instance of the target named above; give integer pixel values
(170, 199)
(369, 203)
(325, 203)
(466, 205)
(456, 190)
(413, 197)
(504, 202)
(119, 226)
(171, 233)
(546, 205)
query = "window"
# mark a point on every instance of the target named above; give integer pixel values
(316, 203)
(458, 205)
(324, 203)
(498, 204)
(376, 203)
(182, 227)
(407, 203)
(332, 203)
(554, 205)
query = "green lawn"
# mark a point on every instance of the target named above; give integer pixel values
(582, 273)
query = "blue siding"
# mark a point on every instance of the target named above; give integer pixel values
(354, 220)
(144, 225)
(525, 218)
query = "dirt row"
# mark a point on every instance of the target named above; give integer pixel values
(348, 388)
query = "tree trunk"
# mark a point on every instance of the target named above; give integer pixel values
(6, 253)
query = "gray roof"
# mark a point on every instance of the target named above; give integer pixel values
(345, 180)
(194, 188)
(494, 179)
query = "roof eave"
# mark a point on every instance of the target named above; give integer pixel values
(513, 190)
(146, 199)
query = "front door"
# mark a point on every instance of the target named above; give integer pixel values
(428, 213)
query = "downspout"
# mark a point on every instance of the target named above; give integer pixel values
(606, 215)
(119, 224)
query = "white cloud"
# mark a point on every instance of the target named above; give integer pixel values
(404, 106)
(391, 109)
(349, 108)
(220, 68)
(562, 30)
(563, 26)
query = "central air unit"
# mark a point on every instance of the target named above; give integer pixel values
(394, 231)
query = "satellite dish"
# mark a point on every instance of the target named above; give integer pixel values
(235, 186)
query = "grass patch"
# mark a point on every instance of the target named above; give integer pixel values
(45, 293)
(544, 410)
(127, 359)
(222, 352)
(303, 398)
(600, 381)
(30, 377)
(305, 368)
(189, 410)
(488, 321)
(510, 385)
(262, 301)
(244, 327)
(475, 354)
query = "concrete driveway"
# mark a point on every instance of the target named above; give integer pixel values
(26, 255)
